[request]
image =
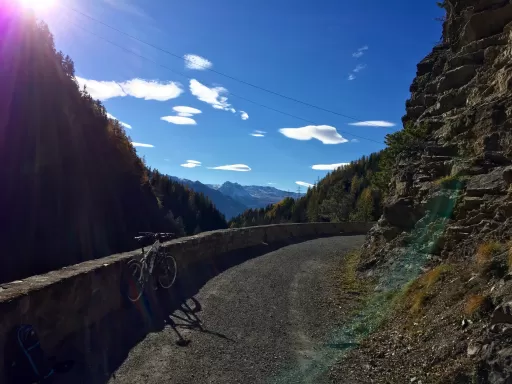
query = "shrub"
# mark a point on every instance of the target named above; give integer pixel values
(419, 291)
(450, 182)
(491, 260)
(477, 305)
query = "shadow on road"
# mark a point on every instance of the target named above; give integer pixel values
(100, 349)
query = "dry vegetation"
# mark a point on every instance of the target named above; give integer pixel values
(418, 292)
(477, 305)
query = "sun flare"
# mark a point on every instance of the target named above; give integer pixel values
(37, 4)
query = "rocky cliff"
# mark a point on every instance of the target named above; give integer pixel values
(448, 218)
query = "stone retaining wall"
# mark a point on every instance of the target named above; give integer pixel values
(66, 301)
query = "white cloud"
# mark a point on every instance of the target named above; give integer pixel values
(142, 145)
(258, 133)
(191, 164)
(213, 96)
(351, 77)
(139, 88)
(120, 122)
(373, 123)
(101, 90)
(359, 68)
(233, 167)
(197, 62)
(360, 52)
(188, 110)
(328, 167)
(354, 141)
(324, 133)
(244, 115)
(304, 184)
(271, 183)
(151, 90)
(185, 114)
(179, 120)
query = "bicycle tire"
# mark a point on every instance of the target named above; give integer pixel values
(135, 280)
(167, 271)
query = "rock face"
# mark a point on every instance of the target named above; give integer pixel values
(458, 180)
(463, 95)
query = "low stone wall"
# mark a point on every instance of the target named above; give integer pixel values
(63, 302)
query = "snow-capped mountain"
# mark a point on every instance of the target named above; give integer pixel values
(254, 196)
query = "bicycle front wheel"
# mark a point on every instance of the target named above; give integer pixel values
(135, 280)
(167, 271)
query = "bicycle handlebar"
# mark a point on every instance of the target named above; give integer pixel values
(160, 235)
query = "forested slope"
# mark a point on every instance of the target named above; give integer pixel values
(350, 193)
(73, 187)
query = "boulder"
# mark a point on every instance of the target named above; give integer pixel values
(457, 77)
(502, 314)
(401, 213)
(467, 59)
(492, 183)
(485, 24)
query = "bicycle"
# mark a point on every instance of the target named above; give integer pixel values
(155, 265)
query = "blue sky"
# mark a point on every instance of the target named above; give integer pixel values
(357, 58)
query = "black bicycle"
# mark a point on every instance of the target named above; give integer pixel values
(155, 265)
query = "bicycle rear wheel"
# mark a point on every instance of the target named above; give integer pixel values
(167, 271)
(135, 280)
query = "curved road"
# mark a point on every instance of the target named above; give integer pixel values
(267, 320)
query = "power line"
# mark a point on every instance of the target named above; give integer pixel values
(217, 72)
(230, 93)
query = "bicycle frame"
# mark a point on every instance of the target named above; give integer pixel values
(148, 260)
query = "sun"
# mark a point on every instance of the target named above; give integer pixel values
(37, 4)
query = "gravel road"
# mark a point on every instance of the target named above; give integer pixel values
(267, 320)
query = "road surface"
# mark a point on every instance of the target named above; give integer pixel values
(267, 320)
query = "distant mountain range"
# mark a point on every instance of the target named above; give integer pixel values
(232, 198)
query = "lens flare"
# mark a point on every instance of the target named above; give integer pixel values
(37, 4)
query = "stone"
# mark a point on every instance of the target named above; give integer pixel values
(401, 213)
(507, 174)
(473, 349)
(457, 77)
(485, 24)
(492, 183)
(496, 157)
(451, 100)
(471, 58)
(502, 314)
(484, 43)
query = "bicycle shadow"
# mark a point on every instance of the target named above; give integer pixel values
(190, 321)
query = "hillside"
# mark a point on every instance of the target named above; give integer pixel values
(73, 186)
(351, 193)
(438, 262)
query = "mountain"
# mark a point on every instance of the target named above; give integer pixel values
(270, 194)
(253, 196)
(229, 206)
